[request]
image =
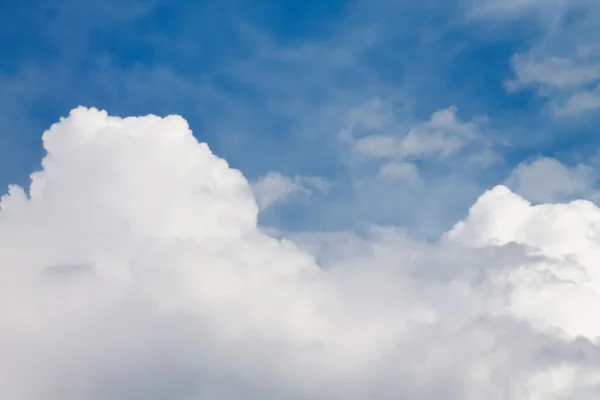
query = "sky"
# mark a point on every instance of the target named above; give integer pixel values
(302, 200)
(272, 85)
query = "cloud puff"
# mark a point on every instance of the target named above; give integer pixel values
(559, 293)
(134, 269)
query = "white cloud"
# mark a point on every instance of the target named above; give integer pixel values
(548, 180)
(275, 188)
(136, 270)
(558, 293)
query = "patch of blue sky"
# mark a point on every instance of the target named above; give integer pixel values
(269, 85)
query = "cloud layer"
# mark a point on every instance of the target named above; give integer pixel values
(134, 268)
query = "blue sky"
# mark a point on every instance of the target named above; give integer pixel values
(272, 85)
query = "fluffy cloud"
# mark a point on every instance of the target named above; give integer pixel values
(134, 269)
(557, 294)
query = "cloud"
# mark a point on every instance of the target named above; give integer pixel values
(548, 180)
(556, 294)
(400, 171)
(512, 9)
(164, 286)
(374, 134)
(275, 188)
(555, 71)
(260, 88)
(572, 81)
(563, 62)
(579, 103)
(442, 135)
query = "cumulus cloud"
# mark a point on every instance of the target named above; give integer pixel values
(548, 180)
(557, 294)
(134, 268)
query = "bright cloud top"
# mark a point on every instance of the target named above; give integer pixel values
(135, 269)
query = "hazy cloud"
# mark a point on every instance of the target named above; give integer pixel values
(548, 180)
(276, 188)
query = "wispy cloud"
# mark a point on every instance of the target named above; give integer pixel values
(275, 188)
(273, 104)
(548, 180)
(563, 64)
(400, 171)
(441, 136)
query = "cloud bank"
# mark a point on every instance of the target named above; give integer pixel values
(134, 268)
